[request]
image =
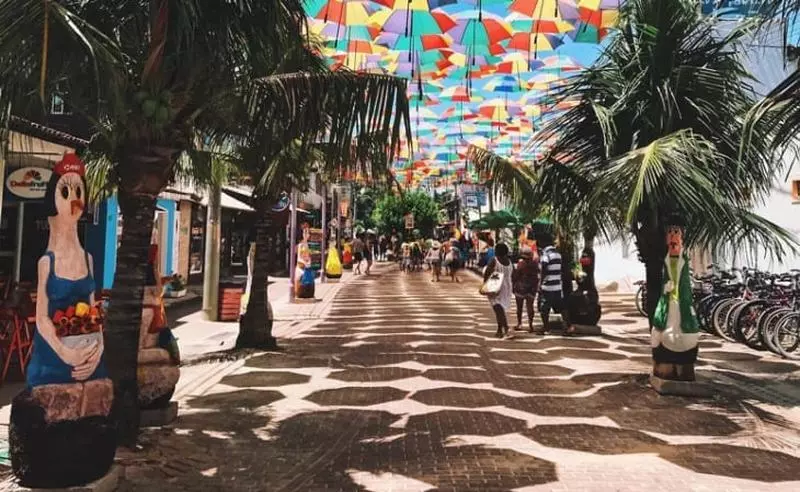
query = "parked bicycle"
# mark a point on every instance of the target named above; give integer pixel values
(756, 308)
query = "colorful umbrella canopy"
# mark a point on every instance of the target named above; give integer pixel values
(482, 72)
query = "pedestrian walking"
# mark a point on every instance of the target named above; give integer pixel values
(453, 260)
(551, 296)
(525, 283)
(501, 301)
(417, 255)
(383, 243)
(394, 243)
(358, 254)
(434, 259)
(405, 262)
(369, 249)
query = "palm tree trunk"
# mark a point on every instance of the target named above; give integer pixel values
(255, 327)
(125, 310)
(652, 247)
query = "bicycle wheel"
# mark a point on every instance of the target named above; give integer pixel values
(745, 324)
(641, 300)
(699, 308)
(705, 310)
(787, 336)
(720, 315)
(731, 318)
(768, 327)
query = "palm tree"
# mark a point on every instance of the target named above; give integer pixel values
(547, 188)
(157, 78)
(657, 131)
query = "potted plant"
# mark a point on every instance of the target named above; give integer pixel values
(176, 287)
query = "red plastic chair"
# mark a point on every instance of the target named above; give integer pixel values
(15, 341)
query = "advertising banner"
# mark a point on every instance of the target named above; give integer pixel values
(315, 247)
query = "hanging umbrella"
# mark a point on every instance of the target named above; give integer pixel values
(476, 28)
(459, 94)
(499, 109)
(344, 12)
(412, 18)
(538, 9)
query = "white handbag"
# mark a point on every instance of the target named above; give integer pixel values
(493, 284)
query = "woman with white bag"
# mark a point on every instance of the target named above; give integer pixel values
(497, 287)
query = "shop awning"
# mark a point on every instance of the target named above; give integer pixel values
(230, 203)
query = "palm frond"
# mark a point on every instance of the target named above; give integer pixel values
(511, 179)
(348, 112)
(678, 173)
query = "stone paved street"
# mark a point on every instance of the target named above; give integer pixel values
(402, 387)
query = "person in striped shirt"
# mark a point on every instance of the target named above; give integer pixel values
(551, 294)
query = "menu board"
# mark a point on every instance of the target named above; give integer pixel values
(315, 247)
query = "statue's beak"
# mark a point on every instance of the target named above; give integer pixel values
(76, 207)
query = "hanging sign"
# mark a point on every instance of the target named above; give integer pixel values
(29, 182)
(409, 221)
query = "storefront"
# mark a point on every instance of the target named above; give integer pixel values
(32, 152)
(105, 234)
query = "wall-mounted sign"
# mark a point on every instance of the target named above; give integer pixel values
(29, 182)
(282, 204)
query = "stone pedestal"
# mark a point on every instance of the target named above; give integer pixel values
(159, 416)
(556, 323)
(302, 300)
(587, 330)
(680, 388)
(106, 483)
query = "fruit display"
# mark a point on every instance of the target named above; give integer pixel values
(79, 319)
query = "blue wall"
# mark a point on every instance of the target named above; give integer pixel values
(98, 237)
(101, 240)
(170, 206)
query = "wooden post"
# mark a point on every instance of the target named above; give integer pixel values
(293, 246)
(324, 245)
(212, 254)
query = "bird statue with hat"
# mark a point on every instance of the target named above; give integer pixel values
(60, 432)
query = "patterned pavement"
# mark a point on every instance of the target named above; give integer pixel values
(402, 387)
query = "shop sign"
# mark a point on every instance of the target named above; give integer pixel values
(282, 204)
(29, 182)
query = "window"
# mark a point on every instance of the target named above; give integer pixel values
(796, 190)
(57, 105)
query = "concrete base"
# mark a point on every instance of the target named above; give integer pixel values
(587, 330)
(106, 483)
(299, 300)
(680, 388)
(159, 417)
(329, 280)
